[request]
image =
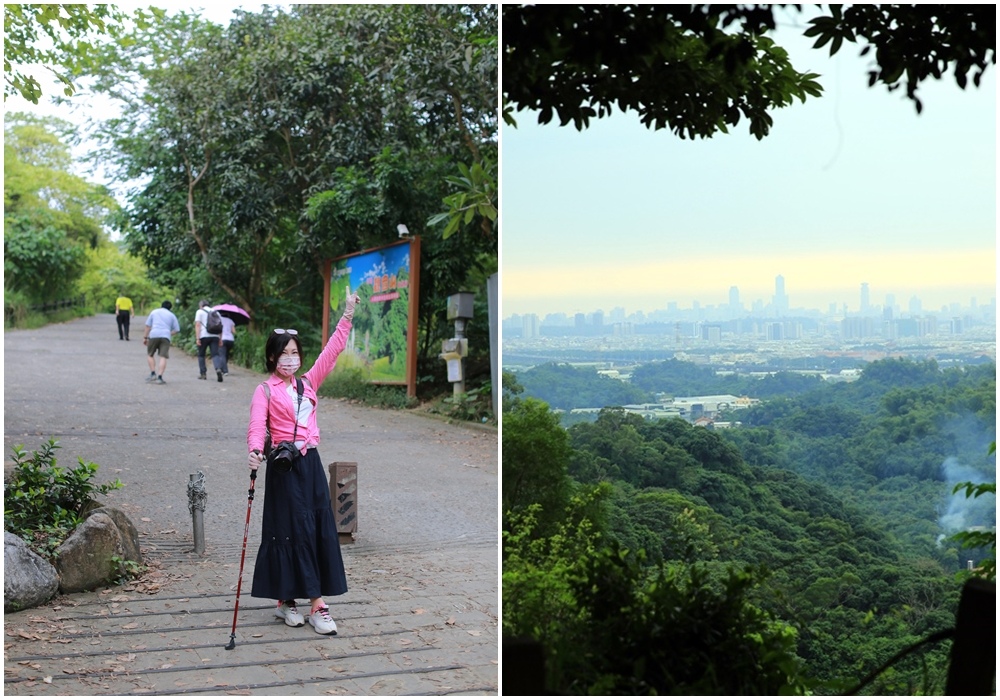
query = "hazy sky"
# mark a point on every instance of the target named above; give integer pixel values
(848, 188)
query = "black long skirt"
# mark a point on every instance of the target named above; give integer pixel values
(299, 555)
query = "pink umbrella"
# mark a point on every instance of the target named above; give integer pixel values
(239, 316)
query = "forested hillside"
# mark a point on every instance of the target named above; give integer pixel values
(565, 387)
(821, 529)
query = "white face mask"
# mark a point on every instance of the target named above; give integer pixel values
(287, 365)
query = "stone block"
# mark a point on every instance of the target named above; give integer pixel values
(84, 560)
(28, 580)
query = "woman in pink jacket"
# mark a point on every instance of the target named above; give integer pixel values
(299, 555)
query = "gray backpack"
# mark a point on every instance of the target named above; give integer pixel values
(214, 323)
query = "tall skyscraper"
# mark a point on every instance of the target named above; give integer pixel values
(865, 300)
(780, 301)
(734, 299)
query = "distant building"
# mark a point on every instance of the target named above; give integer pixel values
(857, 328)
(529, 326)
(780, 301)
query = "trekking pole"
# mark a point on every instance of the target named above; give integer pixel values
(239, 583)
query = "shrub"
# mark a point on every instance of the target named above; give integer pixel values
(42, 501)
(473, 405)
(350, 384)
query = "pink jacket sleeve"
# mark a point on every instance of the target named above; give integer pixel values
(328, 358)
(257, 428)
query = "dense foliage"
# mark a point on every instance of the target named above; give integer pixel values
(58, 38)
(834, 506)
(565, 387)
(51, 216)
(303, 133)
(699, 69)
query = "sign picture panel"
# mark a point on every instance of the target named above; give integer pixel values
(382, 344)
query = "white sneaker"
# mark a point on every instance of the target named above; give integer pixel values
(321, 621)
(290, 614)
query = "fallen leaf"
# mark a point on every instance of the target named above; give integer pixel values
(419, 611)
(474, 633)
(167, 666)
(146, 520)
(130, 626)
(47, 679)
(450, 621)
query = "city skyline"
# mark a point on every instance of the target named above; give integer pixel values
(850, 187)
(722, 300)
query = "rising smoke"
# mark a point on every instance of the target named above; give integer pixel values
(957, 512)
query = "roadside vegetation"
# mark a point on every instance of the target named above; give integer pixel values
(44, 502)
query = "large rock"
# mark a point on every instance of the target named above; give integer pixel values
(84, 561)
(130, 536)
(28, 580)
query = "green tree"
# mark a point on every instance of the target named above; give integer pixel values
(699, 69)
(57, 37)
(291, 137)
(51, 216)
(536, 453)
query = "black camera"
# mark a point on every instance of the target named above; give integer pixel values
(282, 456)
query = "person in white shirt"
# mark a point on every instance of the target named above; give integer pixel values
(161, 325)
(206, 341)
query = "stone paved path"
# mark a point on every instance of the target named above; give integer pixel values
(421, 613)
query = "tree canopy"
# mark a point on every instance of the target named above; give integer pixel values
(290, 137)
(52, 217)
(700, 69)
(57, 38)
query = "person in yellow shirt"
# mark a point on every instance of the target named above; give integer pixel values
(123, 314)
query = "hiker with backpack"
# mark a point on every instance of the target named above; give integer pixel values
(207, 333)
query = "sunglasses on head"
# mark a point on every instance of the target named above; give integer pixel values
(286, 331)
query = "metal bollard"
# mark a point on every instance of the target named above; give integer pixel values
(344, 499)
(197, 498)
